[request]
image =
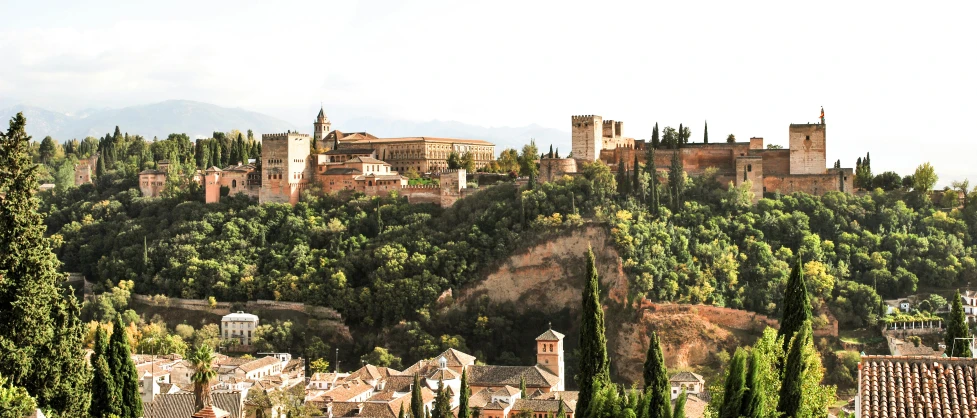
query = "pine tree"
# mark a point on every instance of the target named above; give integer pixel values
(442, 402)
(416, 400)
(124, 372)
(464, 392)
(753, 396)
(705, 134)
(791, 387)
(594, 366)
(797, 305)
(656, 380)
(957, 328)
(40, 331)
(104, 401)
(679, 410)
(734, 386)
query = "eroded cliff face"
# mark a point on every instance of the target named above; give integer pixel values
(548, 278)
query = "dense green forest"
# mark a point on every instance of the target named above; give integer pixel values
(381, 261)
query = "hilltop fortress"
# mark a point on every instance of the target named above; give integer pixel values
(802, 167)
(333, 161)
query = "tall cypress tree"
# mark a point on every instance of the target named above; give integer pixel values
(676, 179)
(40, 331)
(636, 189)
(705, 134)
(442, 402)
(652, 170)
(401, 413)
(656, 380)
(104, 401)
(792, 384)
(797, 305)
(957, 328)
(522, 387)
(655, 139)
(679, 409)
(594, 366)
(753, 397)
(734, 386)
(622, 180)
(124, 372)
(464, 392)
(416, 400)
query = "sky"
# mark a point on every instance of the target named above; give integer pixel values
(897, 79)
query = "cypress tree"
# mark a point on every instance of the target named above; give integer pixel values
(680, 138)
(124, 372)
(656, 380)
(40, 331)
(652, 171)
(705, 134)
(797, 306)
(522, 387)
(464, 392)
(557, 153)
(100, 167)
(622, 180)
(655, 140)
(676, 179)
(594, 366)
(401, 413)
(245, 154)
(734, 386)
(636, 189)
(957, 328)
(416, 400)
(560, 411)
(753, 397)
(550, 155)
(791, 387)
(679, 410)
(442, 403)
(104, 401)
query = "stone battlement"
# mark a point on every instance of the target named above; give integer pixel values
(583, 117)
(421, 187)
(283, 135)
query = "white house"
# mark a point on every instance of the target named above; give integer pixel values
(693, 384)
(239, 326)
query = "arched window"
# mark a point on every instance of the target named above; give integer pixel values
(233, 183)
(551, 348)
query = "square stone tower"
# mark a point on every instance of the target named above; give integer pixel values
(587, 137)
(808, 149)
(549, 355)
(285, 166)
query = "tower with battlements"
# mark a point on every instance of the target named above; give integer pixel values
(285, 167)
(587, 137)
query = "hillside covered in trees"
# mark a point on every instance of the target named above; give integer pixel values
(382, 261)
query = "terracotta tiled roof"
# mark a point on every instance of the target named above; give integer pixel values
(899, 386)
(350, 151)
(687, 377)
(510, 375)
(550, 335)
(443, 374)
(363, 410)
(541, 405)
(694, 407)
(457, 358)
(347, 391)
(211, 412)
(495, 406)
(419, 139)
(181, 405)
(399, 383)
(341, 171)
(367, 160)
(259, 363)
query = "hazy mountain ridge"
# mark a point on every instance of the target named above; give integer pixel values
(195, 119)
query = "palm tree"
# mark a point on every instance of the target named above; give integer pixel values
(202, 360)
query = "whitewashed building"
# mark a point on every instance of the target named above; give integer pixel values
(239, 326)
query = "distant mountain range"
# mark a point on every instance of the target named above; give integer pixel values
(195, 119)
(198, 119)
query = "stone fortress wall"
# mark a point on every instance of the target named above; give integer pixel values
(800, 168)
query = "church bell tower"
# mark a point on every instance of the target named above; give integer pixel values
(549, 355)
(322, 127)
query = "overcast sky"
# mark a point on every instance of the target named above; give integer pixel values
(895, 78)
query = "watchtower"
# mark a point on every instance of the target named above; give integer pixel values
(587, 137)
(285, 166)
(808, 153)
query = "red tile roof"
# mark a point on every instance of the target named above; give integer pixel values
(901, 386)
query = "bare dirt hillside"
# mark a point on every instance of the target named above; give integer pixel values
(548, 278)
